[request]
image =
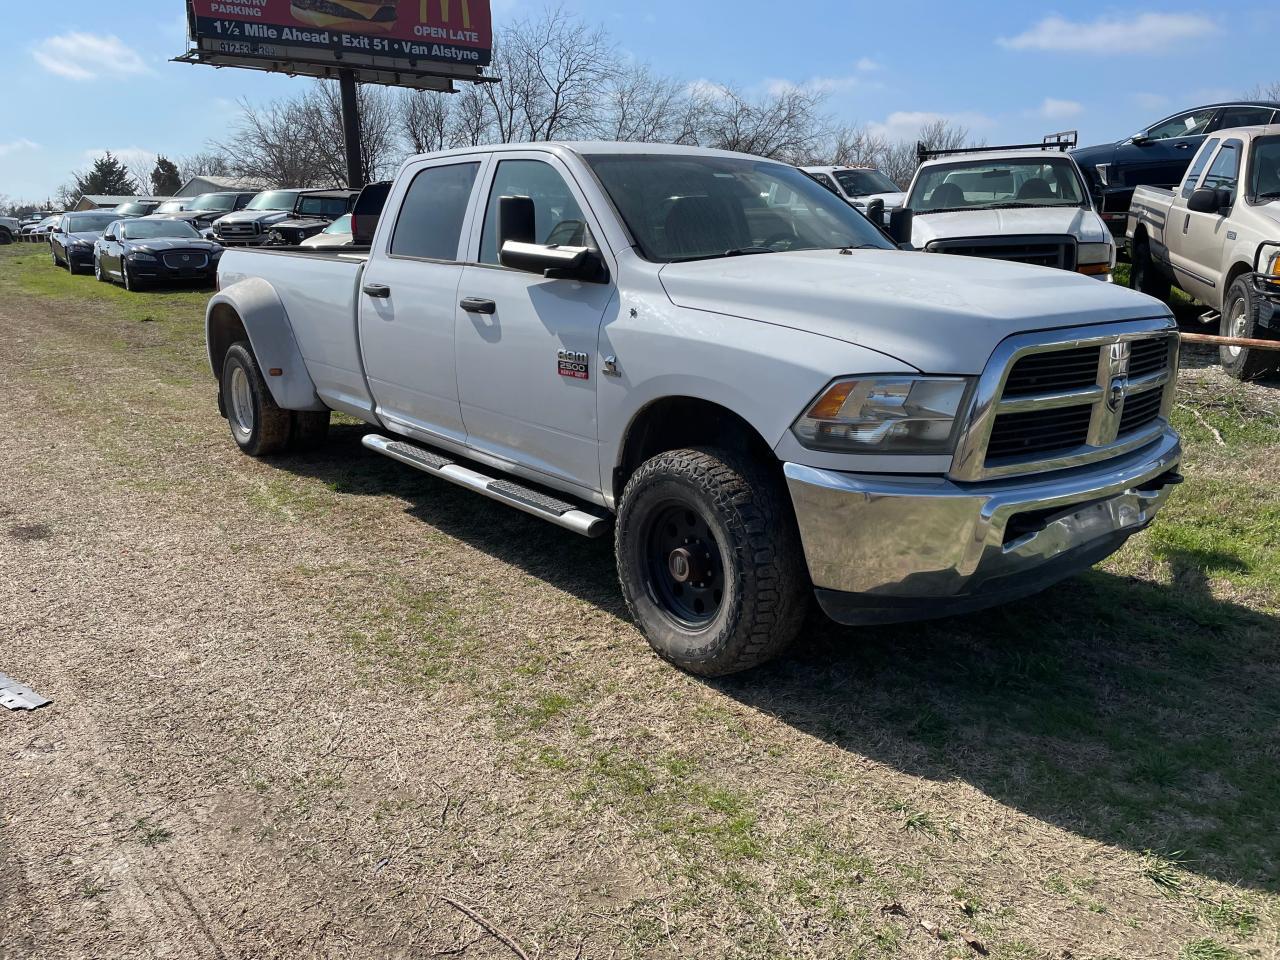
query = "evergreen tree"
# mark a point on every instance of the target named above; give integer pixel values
(108, 177)
(165, 179)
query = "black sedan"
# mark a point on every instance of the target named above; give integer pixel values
(71, 241)
(145, 251)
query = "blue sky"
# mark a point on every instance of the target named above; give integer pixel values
(83, 76)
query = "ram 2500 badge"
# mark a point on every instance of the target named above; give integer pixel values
(742, 376)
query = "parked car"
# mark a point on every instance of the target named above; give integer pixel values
(170, 207)
(252, 225)
(292, 231)
(71, 241)
(731, 367)
(1158, 155)
(859, 186)
(201, 211)
(336, 234)
(1032, 206)
(39, 229)
(137, 208)
(9, 229)
(142, 252)
(1224, 245)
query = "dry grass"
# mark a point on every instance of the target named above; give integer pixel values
(299, 702)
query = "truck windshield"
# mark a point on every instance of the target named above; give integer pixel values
(214, 201)
(861, 183)
(1002, 184)
(135, 209)
(88, 222)
(172, 206)
(691, 207)
(274, 200)
(1264, 173)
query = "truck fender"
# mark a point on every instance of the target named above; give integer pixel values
(252, 306)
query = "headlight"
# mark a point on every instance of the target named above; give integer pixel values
(142, 256)
(885, 415)
(1095, 259)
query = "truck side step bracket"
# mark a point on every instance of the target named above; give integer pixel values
(514, 494)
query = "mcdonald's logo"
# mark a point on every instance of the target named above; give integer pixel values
(446, 9)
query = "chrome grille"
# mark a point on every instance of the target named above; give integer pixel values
(191, 260)
(236, 231)
(1043, 251)
(1047, 405)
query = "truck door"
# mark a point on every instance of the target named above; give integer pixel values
(527, 346)
(1204, 235)
(408, 295)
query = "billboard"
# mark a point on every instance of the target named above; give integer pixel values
(428, 37)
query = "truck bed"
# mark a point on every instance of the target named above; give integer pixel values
(1150, 206)
(319, 291)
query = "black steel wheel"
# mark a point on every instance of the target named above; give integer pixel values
(710, 561)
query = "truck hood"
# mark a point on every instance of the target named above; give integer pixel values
(1083, 224)
(255, 216)
(891, 200)
(941, 314)
(1269, 210)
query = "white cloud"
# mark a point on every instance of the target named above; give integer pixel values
(822, 85)
(709, 89)
(87, 56)
(1053, 109)
(906, 124)
(13, 146)
(866, 65)
(1145, 33)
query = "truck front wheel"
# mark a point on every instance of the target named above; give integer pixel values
(1144, 276)
(258, 426)
(710, 561)
(1240, 319)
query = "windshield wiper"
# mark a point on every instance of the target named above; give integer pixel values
(748, 251)
(1269, 195)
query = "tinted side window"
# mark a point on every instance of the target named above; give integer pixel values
(1244, 117)
(430, 221)
(1225, 171)
(557, 216)
(1187, 125)
(1197, 167)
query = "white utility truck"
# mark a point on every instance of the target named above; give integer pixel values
(1029, 203)
(1218, 238)
(732, 368)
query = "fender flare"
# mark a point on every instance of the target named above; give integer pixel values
(253, 304)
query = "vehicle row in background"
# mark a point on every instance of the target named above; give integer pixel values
(1158, 155)
(293, 214)
(1217, 237)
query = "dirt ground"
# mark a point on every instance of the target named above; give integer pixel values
(322, 707)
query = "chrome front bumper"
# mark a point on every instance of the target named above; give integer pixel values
(888, 548)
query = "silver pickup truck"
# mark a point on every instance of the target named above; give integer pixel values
(1217, 237)
(730, 367)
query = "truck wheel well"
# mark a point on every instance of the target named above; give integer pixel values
(1139, 236)
(677, 422)
(1232, 276)
(225, 328)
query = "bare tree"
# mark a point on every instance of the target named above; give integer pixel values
(785, 125)
(1264, 91)
(638, 105)
(207, 163)
(428, 119)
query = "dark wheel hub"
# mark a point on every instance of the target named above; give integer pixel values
(685, 568)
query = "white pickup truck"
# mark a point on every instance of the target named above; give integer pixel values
(730, 366)
(1218, 238)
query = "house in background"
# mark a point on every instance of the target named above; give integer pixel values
(211, 184)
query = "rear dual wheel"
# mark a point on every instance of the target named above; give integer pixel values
(710, 560)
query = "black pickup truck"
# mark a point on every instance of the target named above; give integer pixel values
(273, 209)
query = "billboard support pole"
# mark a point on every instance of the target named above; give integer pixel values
(351, 128)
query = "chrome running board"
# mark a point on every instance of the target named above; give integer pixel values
(532, 501)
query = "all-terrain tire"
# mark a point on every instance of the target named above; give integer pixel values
(1143, 275)
(1240, 319)
(258, 426)
(746, 512)
(6, 237)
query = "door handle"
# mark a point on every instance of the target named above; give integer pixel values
(479, 305)
(1183, 146)
(379, 290)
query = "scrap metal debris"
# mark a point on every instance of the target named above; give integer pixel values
(16, 696)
